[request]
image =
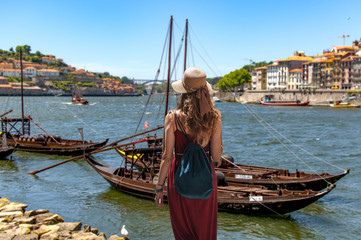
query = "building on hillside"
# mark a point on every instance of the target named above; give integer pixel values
(4, 81)
(30, 72)
(84, 76)
(48, 73)
(11, 72)
(5, 65)
(48, 59)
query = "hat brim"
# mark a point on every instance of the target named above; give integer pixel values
(178, 87)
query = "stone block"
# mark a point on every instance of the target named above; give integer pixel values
(31, 236)
(53, 220)
(70, 226)
(23, 219)
(5, 236)
(85, 236)
(11, 214)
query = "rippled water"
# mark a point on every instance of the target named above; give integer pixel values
(250, 134)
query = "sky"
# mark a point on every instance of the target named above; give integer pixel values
(126, 38)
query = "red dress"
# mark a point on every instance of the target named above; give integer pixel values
(192, 219)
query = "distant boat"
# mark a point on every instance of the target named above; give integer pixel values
(285, 103)
(345, 104)
(78, 99)
(216, 99)
(269, 100)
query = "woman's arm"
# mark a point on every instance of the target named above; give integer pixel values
(216, 142)
(167, 156)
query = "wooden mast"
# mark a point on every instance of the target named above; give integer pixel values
(169, 63)
(22, 89)
(185, 46)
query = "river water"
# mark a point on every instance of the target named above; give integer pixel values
(251, 134)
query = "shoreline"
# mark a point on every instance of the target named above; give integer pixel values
(17, 223)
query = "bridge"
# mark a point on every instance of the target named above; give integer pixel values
(148, 81)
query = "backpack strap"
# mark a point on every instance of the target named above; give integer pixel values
(181, 126)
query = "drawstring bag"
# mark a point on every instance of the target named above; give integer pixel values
(193, 177)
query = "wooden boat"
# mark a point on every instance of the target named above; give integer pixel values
(232, 197)
(138, 177)
(6, 151)
(271, 178)
(78, 99)
(269, 100)
(17, 132)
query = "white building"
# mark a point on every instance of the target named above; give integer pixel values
(30, 72)
(48, 73)
(11, 73)
(272, 76)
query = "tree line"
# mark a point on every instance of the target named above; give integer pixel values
(239, 77)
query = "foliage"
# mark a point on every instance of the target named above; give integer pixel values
(140, 88)
(25, 48)
(250, 67)
(213, 81)
(126, 80)
(234, 79)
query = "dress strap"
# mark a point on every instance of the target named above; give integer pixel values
(181, 126)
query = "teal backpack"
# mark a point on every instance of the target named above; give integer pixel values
(193, 177)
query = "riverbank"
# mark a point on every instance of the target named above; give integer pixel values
(17, 223)
(316, 96)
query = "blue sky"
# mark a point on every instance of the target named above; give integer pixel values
(126, 38)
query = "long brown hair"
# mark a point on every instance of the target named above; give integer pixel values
(200, 126)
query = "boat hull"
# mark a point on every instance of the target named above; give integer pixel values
(6, 151)
(234, 198)
(65, 147)
(274, 103)
(272, 178)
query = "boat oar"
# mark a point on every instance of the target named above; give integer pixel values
(6, 113)
(42, 129)
(103, 149)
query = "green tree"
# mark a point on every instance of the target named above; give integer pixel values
(234, 79)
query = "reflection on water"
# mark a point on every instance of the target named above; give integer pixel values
(78, 193)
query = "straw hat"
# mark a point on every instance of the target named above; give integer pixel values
(193, 79)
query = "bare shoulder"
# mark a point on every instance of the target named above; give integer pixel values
(169, 119)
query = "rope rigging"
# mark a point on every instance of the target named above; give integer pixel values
(273, 132)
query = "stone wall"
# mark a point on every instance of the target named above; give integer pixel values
(305, 95)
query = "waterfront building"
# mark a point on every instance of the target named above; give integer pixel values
(289, 64)
(272, 76)
(254, 79)
(356, 72)
(337, 74)
(346, 65)
(295, 79)
(259, 78)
